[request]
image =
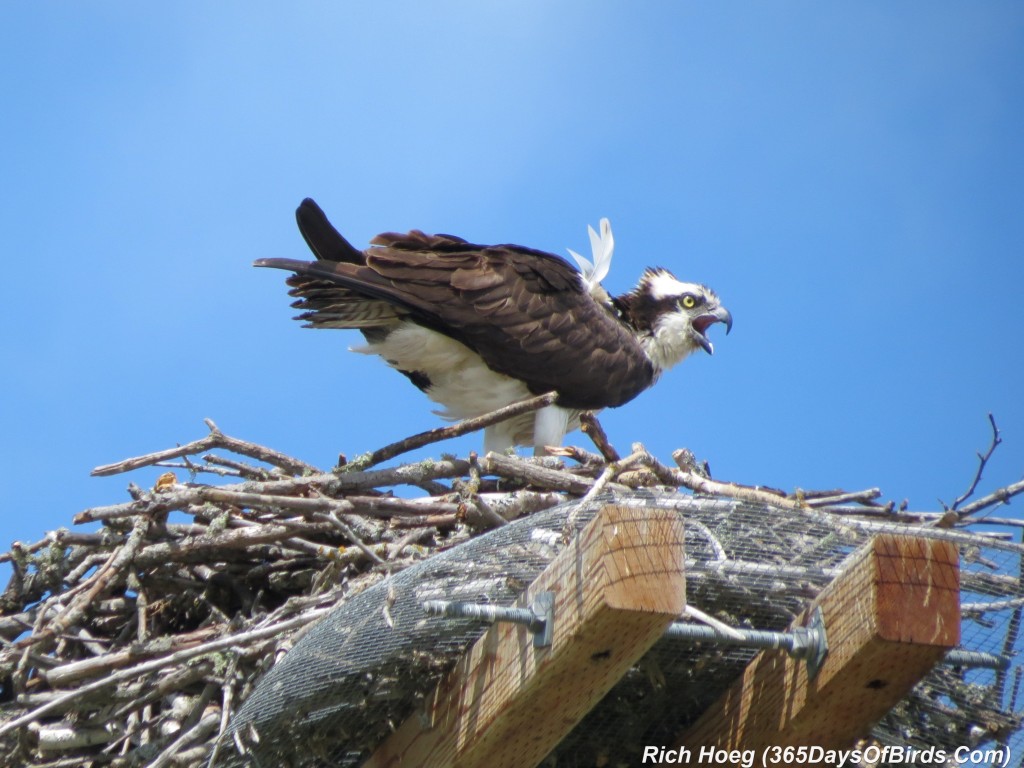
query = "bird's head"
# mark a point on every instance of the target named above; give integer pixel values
(671, 317)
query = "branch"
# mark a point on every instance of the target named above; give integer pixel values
(592, 428)
(455, 430)
(982, 461)
(537, 475)
(843, 498)
(132, 672)
(216, 439)
(1000, 496)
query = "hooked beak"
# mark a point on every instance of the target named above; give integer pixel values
(701, 324)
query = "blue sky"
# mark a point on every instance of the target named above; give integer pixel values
(849, 177)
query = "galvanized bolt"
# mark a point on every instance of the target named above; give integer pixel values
(538, 618)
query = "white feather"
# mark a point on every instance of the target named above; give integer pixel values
(466, 387)
(550, 426)
(601, 246)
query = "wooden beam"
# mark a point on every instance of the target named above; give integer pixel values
(618, 585)
(889, 617)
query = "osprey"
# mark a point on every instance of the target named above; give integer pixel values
(478, 327)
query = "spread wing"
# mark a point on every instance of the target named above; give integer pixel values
(525, 312)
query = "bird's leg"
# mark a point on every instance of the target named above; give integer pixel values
(496, 439)
(549, 428)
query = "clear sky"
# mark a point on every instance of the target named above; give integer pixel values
(849, 177)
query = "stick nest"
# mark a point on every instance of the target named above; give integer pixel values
(134, 644)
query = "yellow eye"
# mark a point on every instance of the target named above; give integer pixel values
(689, 302)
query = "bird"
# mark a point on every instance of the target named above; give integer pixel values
(479, 327)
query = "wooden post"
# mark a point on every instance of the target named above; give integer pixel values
(618, 585)
(889, 617)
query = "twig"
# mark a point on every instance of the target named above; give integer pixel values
(592, 428)
(216, 439)
(695, 482)
(469, 496)
(593, 462)
(351, 536)
(613, 470)
(200, 730)
(171, 659)
(843, 498)
(455, 430)
(349, 479)
(534, 474)
(77, 670)
(1000, 496)
(695, 613)
(196, 469)
(248, 471)
(982, 461)
(114, 569)
(227, 695)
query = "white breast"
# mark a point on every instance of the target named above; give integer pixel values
(460, 381)
(466, 387)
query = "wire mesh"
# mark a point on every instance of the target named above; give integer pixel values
(367, 666)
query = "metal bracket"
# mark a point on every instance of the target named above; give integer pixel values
(544, 609)
(811, 644)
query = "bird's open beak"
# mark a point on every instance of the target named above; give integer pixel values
(701, 324)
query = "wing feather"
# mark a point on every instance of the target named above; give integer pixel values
(525, 312)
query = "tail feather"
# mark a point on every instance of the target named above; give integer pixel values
(321, 236)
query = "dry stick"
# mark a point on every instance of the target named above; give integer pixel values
(200, 730)
(982, 461)
(425, 521)
(695, 613)
(167, 501)
(610, 472)
(602, 482)
(164, 661)
(216, 439)
(197, 469)
(1002, 495)
(65, 737)
(17, 548)
(74, 671)
(227, 696)
(248, 471)
(471, 494)
(1012, 627)
(116, 567)
(592, 428)
(699, 484)
(820, 494)
(199, 546)
(171, 500)
(515, 468)
(842, 498)
(334, 520)
(371, 506)
(514, 504)
(138, 694)
(149, 504)
(586, 459)
(455, 430)
(407, 474)
(395, 550)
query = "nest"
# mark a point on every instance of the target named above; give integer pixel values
(139, 644)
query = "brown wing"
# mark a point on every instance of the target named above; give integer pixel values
(523, 311)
